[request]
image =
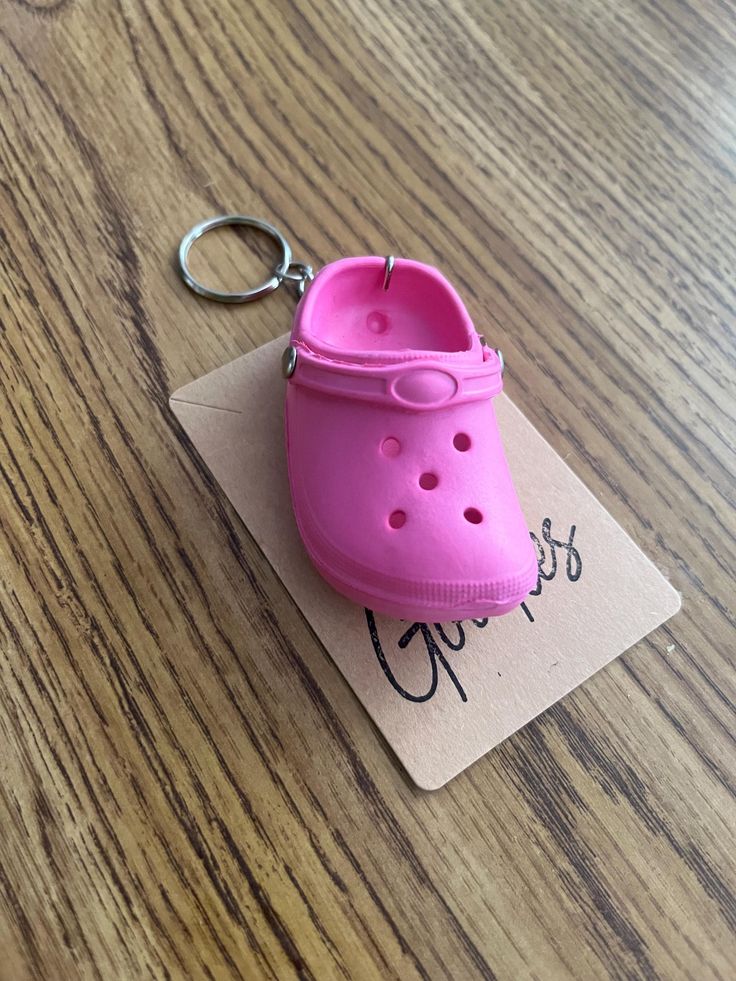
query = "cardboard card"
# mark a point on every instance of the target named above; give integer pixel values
(443, 695)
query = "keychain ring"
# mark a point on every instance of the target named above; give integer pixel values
(245, 296)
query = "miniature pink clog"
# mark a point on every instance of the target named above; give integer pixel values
(400, 487)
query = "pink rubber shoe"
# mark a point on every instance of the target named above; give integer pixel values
(401, 490)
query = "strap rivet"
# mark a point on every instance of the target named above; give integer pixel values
(288, 361)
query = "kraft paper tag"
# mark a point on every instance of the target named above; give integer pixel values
(443, 695)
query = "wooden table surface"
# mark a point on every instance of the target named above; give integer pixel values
(188, 788)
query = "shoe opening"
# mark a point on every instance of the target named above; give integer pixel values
(348, 309)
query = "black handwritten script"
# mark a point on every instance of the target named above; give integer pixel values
(434, 640)
(548, 562)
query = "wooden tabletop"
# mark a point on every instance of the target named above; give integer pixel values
(188, 788)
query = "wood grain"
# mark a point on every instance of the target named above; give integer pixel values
(187, 786)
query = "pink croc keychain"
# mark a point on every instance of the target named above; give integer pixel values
(399, 482)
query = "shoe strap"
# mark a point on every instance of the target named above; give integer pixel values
(421, 384)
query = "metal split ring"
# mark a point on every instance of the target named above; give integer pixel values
(282, 270)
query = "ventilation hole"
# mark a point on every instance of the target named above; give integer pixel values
(397, 519)
(461, 442)
(428, 481)
(391, 446)
(472, 515)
